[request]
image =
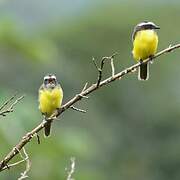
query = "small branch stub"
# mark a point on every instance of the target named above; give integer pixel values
(77, 109)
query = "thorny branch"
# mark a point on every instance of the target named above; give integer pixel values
(85, 91)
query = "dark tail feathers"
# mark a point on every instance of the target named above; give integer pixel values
(47, 129)
(143, 72)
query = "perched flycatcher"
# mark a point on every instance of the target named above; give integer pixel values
(145, 42)
(50, 98)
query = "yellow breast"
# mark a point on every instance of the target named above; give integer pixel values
(50, 100)
(145, 44)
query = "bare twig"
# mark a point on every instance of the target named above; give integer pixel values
(8, 101)
(13, 164)
(19, 162)
(100, 69)
(16, 101)
(95, 64)
(72, 169)
(112, 67)
(25, 139)
(38, 138)
(3, 111)
(84, 88)
(77, 109)
(112, 63)
(28, 166)
(80, 94)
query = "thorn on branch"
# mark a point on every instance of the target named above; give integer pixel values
(77, 109)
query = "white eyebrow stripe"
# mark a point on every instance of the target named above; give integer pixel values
(146, 23)
(53, 76)
(46, 77)
(49, 76)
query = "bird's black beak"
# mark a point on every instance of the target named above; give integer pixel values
(50, 80)
(156, 27)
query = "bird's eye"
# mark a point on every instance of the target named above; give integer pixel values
(45, 81)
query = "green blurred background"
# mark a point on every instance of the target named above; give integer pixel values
(131, 130)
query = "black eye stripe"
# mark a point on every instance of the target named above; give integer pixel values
(147, 26)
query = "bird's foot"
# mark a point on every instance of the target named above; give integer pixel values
(151, 59)
(141, 61)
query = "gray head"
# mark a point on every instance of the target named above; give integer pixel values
(145, 25)
(50, 81)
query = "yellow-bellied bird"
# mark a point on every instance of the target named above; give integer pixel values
(145, 42)
(50, 99)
